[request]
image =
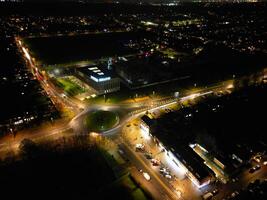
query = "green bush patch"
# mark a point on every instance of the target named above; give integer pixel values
(101, 120)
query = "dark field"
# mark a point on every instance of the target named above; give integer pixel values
(66, 49)
(69, 168)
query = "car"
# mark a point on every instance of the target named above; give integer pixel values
(207, 196)
(168, 176)
(146, 176)
(155, 162)
(255, 168)
(148, 156)
(234, 194)
(252, 170)
(140, 147)
(121, 151)
(257, 158)
(163, 170)
(265, 163)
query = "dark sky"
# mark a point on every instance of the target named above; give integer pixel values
(107, 1)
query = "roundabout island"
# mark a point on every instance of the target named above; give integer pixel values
(99, 121)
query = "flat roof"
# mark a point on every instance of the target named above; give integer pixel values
(184, 153)
(96, 73)
(149, 68)
(193, 162)
(147, 120)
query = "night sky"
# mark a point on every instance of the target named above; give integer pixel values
(109, 1)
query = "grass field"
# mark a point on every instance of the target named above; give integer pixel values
(69, 86)
(126, 188)
(70, 49)
(101, 120)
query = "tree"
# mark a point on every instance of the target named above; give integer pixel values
(28, 148)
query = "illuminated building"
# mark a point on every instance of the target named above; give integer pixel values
(102, 80)
(181, 155)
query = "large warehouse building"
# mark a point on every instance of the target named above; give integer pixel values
(181, 155)
(102, 80)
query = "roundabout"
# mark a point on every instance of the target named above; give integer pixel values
(101, 121)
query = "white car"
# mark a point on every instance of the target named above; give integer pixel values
(164, 171)
(168, 176)
(146, 176)
(257, 158)
(140, 146)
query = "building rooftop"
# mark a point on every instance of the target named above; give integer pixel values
(96, 73)
(148, 120)
(184, 154)
(148, 69)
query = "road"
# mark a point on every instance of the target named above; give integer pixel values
(156, 186)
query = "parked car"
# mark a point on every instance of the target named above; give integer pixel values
(164, 171)
(139, 147)
(168, 176)
(148, 156)
(155, 162)
(255, 168)
(257, 158)
(207, 196)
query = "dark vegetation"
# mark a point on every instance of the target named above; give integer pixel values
(68, 168)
